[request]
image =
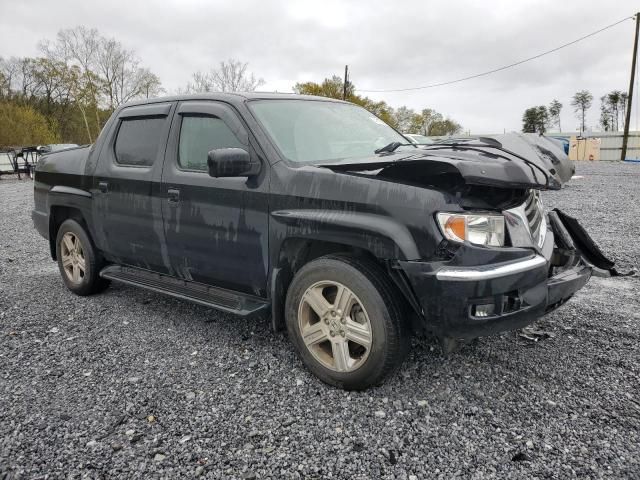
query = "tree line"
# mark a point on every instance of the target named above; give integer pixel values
(613, 106)
(67, 92)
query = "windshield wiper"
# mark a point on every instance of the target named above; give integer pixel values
(392, 147)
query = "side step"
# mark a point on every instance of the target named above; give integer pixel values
(225, 300)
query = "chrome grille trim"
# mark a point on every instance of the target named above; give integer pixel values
(532, 214)
(535, 223)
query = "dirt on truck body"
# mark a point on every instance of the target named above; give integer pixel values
(315, 212)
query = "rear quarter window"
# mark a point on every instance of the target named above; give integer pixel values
(138, 141)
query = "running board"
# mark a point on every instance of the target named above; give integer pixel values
(219, 298)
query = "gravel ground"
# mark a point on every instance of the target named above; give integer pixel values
(134, 384)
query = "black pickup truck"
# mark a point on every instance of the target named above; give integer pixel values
(315, 212)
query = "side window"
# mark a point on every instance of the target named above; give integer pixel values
(200, 134)
(138, 141)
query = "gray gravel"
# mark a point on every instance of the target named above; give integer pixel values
(134, 384)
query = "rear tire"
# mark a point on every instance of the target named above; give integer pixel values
(78, 260)
(347, 321)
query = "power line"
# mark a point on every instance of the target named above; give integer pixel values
(511, 65)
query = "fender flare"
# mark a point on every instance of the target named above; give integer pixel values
(383, 236)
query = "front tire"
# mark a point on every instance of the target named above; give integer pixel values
(346, 319)
(78, 260)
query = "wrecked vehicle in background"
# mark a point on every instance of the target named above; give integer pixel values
(318, 213)
(546, 152)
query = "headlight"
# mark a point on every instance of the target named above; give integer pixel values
(479, 229)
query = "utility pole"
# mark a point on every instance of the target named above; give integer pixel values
(346, 80)
(627, 121)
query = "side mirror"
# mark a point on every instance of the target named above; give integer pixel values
(231, 162)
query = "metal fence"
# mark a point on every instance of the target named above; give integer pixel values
(611, 145)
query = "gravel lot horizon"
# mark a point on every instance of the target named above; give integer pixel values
(130, 383)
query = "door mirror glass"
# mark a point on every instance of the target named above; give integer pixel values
(231, 162)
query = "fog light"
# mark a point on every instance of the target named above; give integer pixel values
(485, 310)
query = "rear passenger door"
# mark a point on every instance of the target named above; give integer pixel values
(127, 203)
(216, 228)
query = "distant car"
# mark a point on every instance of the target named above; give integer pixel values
(54, 147)
(563, 142)
(418, 139)
(455, 140)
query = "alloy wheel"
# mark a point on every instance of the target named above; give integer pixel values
(334, 326)
(73, 261)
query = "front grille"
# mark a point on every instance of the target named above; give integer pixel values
(534, 212)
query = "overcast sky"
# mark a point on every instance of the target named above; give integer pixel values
(386, 44)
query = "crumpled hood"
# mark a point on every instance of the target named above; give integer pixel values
(503, 161)
(544, 151)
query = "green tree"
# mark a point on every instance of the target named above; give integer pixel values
(624, 99)
(404, 119)
(445, 127)
(79, 80)
(333, 88)
(379, 109)
(426, 120)
(22, 125)
(613, 100)
(555, 107)
(535, 120)
(581, 102)
(607, 122)
(330, 87)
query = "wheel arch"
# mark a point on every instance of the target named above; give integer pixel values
(295, 252)
(303, 235)
(57, 216)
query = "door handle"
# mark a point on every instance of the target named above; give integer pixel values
(173, 195)
(103, 187)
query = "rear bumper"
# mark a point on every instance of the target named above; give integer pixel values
(467, 301)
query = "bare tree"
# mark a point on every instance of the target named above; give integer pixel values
(109, 73)
(78, 46)
(27, 82)
(137, 82)
(110, 60)
(230, 76)
(122, 77)
(9, 72)
(200, 83)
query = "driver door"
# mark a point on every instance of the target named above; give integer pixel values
(216, 228)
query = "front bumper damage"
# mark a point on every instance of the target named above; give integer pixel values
(481, 291)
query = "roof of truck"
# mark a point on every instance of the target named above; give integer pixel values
(233, 97)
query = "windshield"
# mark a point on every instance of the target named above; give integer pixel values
(309, 131)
